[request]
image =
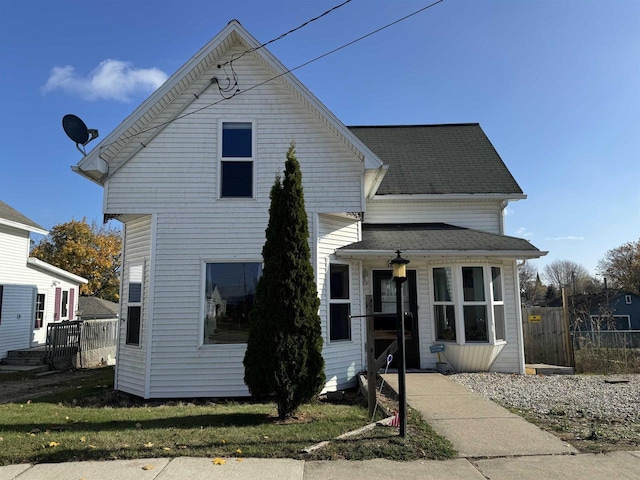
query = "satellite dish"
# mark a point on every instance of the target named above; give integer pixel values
(77, 131)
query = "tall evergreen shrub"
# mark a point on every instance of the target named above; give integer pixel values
(284, 350)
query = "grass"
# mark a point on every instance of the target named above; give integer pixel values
(93, 423)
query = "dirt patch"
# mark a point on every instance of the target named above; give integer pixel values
(15, 388)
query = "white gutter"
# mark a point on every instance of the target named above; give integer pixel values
(346, 253)
(448, 196)
(23, 226)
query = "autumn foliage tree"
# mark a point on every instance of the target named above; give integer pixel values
(284, 349)
(621, 267)
(90, 251)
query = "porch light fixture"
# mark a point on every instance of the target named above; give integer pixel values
(399, 266)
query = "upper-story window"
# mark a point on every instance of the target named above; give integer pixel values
(237, 158)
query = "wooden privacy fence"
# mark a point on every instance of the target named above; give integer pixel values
(547, 338)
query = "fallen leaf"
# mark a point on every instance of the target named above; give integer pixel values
(83, 439)
(92, 446)
(166, 449)
(28, 402)
(148, 445)
(239, 459)
(239, 452)
(223, 441)
(148, 467)
(218, 461)
(54, 444)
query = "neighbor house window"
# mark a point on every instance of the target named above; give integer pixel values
(134, 304)
(64, 306)
(236, 164)
(40, 302)
(612, 322)
(467, 299)
(627, 299)
(339, 303)
(229, 295)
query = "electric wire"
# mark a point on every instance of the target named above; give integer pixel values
(239, 92)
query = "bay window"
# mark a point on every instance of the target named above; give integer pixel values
(468, 304)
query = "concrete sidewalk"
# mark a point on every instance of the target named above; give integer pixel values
(476, 426)
(616, 465)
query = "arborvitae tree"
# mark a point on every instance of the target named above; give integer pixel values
(284, 350)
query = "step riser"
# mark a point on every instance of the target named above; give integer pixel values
(23, 361)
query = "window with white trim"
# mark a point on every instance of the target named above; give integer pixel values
(468, 303)
(134, 305)
(229, 295)
(339, 302)
(40, 305)
(237, 145)
(64, 305)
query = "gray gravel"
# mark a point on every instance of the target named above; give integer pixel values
(579, 396)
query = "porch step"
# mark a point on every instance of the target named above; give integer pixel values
(544, 369)
(24, 361)
(24, 368)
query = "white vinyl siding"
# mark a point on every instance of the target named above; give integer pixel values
(478, 215)
(130, 369)
(178, 170)
(343, 359)
(14, 270)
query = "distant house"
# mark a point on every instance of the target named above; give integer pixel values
(606, 310)
(33, 293)
(189, 174)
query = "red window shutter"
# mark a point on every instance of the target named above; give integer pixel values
(71, 305)
(56, 310)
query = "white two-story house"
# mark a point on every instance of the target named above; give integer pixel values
(33, 293)
(188, 174)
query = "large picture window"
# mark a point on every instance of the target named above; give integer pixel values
(229, 294)
(339, 303)
(468, 304)
(236, 164)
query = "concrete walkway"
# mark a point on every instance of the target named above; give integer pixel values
(495, 444)
(476, 426)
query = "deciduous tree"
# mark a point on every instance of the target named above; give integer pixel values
(621, 267)
(90, 251)
(567, 274)
(284, 350)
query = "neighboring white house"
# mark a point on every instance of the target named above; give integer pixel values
(188, 173)
(33, 293)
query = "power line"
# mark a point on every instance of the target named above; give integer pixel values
(315, 59)
(287, 33)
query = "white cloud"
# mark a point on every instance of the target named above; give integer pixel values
(565, 238)
(508, 211)
(523, 232)
(111, 80)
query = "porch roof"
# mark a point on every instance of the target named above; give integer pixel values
(435, 239)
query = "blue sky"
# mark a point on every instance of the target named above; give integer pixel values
(554, 84)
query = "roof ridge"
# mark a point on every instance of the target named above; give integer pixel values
(467, 124)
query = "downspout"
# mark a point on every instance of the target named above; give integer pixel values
(519, 325)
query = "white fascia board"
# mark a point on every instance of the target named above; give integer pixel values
(363, 254)
(448, 197)
(22, 226)
(55, 270)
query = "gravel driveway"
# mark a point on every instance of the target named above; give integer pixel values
(594, 413)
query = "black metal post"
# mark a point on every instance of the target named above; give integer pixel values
(402, 394)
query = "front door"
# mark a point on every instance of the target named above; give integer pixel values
(384, 309)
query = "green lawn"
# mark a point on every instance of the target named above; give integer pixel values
(93, 423)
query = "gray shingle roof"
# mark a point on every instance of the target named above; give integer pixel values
(438, 159)
(11, 214)
(436, 237)
(94, 307)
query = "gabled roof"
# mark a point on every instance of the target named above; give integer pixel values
(184, 86)
(13, 218)
(94, 307)
(438, 159)
(435, 239)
